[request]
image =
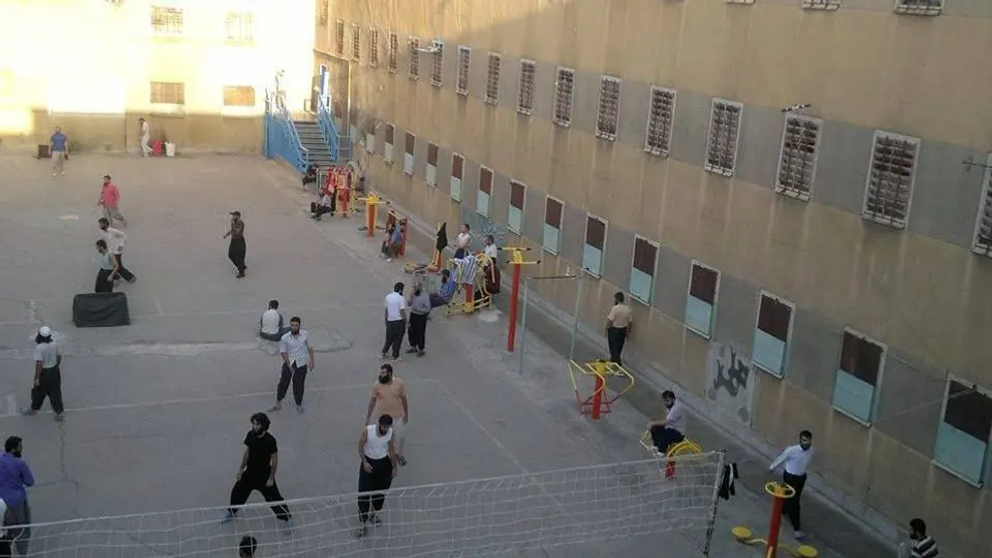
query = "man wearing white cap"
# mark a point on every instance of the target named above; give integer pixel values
(47, 376)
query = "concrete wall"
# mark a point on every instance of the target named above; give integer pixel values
(87, 65)
(919, 291)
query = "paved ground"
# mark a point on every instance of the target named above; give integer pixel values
(157, 410)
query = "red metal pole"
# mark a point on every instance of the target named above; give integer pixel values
(370, 219)
(597, 397)
(514, 298)
(773, 526)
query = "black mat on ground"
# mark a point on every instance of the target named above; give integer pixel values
(100, 310)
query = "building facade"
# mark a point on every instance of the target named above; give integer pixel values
(197, 71)
(839, 250)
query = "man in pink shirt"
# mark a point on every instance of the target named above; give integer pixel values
(110, 196)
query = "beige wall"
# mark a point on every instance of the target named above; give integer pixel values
(87, 66)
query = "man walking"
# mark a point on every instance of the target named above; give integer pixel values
(389, 398)
(146, 135)
(395, 318)
(15, 477)
(110, 197)
(258, 472)
(420, 308)
(115, 243)
(923, 545)
(297, 360)
(795, 461)
(618, 323)
(47, 376)
(237, 250)
(671, 429)
(378, 454)
(59, 144)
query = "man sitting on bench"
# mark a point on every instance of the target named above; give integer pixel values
(445, 293)
(271, 326)
(327, 202)
(670, 430)
(394, 241)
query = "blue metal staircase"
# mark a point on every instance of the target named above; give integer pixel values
(303, 142)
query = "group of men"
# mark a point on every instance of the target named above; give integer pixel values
(58, 146)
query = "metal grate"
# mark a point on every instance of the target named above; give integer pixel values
(797, 160)
(920, 7)
(608, 118)
(167, 21)
(322, 15)
(339, 37)
(237, 26)
(492, 78)
(168, 93)
(414, 70)
(661, 114)
(564, 93)
(239, 96)
(374, 48)
(890, 179)
(525, 88)
(725, 127)
(983, 229)
(821, 4)
(394, 47)
(437, 63)
(464, 64)
(356, 42)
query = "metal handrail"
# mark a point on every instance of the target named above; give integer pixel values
(325, 122)
(280, 114)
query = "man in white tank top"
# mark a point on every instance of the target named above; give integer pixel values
(377, 471)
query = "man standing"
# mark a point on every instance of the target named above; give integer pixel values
(462, 241)
(297, 360)
(15, 477)
(618, 324)
(115, 243)
(389, 398)
(258, 472)
(146, 135)
(270, 326)
(237, 250)
(60, 151)
(47, 376)
(395, 318)
(796, 462)
(378, 454)
(923, 545)
(671, 429)
(420, 308)
(110, 197)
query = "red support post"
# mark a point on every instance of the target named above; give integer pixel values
(514, 299)
(774, 525)
(469, 295)
(597, 397)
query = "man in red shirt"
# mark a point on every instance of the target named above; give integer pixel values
(110, 197)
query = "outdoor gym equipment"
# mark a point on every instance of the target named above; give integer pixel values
(780, 492)
(599, 402)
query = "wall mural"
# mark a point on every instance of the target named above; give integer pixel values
(730, 380)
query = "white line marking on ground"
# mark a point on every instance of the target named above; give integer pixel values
(11, 410)
(158, 306)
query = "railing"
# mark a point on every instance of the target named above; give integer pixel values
(339, 145)
(281, 138)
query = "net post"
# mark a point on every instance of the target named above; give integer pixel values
(714, 503)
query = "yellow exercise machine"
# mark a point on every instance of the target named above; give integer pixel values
(780, 492)
(599, 402)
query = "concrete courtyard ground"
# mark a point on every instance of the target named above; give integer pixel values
(157, 411)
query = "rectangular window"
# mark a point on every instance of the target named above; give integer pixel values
(855, 384)
(485, 191)
(525, 88)
(564, 91)
(642, 270)
(821, 4)
(963, 433)
(374, 48)
(370, 137)
(890, 179)
(661, 115)
(387, 148)
(983, 225)
(408, 151)
(356, 42)
(515, 214)
(238, 27)
(339, 37)
(492, 78)
(431, 172)
(608, 117)
(414, 58)
(464, 64)
(595, 244)
(394, 48)
(797, 158)
(168, 93)
(919, 7)
(771, 334)
(700, 304)
(239, 96)
(553, 213)
(457, 168)
(322, 14)
(167, 22)
(437, 63)
(725, 128)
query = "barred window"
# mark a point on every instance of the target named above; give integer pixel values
(238, 26)
(919, 7)
(168, 93)
(239, 96)
(464, 64)
(492, 78)
(983, 228)
(414, 58)
(339, 37)
(821, 4)
(167, 21)
(394, 48)
(797, 160)
(564, 90)
(374, 48)
(661, 114)
(890, 179)
(356, 42)
(525, 88)
(437, 63)
(609, 107)
(322, 14)
(725, 125)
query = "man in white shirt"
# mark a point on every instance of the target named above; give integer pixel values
(378, 453)
(146, 135)
(395, 318)
(297, 360)
(115, 245)
(462, 241)
(270, 326)
(670, 430)
(795, 462)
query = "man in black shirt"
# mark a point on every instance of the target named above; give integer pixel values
(258, 472)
